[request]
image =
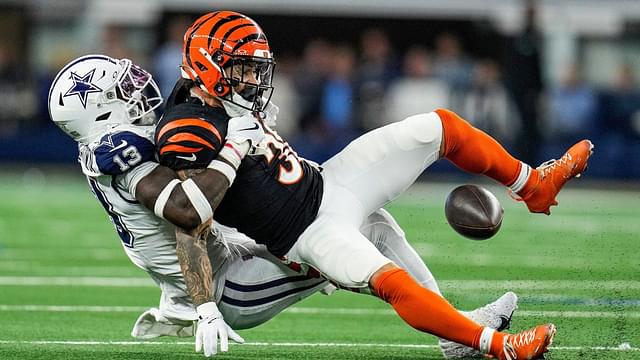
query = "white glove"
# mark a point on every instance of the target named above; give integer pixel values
(211, 325)
(270, 114)
(245, 128)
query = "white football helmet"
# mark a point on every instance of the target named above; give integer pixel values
(94, 93)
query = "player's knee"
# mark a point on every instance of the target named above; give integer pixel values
(455, 129)
(425, 128)
(383, 230)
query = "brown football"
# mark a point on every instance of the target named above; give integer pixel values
(474, 212)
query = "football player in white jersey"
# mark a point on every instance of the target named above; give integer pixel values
(107, 106)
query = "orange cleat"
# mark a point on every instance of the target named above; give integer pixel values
(553, 174)
(529, 344)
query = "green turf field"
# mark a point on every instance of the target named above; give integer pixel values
(67, 291)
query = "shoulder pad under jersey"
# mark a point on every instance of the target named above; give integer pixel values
(118, 151)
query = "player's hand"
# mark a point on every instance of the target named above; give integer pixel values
(211, 326)
(245, 128)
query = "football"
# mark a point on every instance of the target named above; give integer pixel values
(473, 212)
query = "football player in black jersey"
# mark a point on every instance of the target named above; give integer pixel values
(307, 214)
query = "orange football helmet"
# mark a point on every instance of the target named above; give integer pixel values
(227, 55)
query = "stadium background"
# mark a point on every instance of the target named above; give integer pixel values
(537, 75)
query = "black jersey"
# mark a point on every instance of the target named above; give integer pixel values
(274, 197)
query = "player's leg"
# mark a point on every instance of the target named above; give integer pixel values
(174, 315)
(389, 238)
(253, 286)
(344, 255)
(381, 164)
(256, 290)
(476, 152)
(413, 303)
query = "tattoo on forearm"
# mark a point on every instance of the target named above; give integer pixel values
(191, 249)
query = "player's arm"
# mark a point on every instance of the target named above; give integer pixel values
(189, 203)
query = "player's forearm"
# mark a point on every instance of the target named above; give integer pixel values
(196, 268)
(180, 208)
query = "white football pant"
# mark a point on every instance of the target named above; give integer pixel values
(370, 172)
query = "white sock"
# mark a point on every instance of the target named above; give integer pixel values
(485, 340)
(521, 180)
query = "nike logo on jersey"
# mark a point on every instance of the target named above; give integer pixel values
(188, 158)
(123, 143)
(255, 126)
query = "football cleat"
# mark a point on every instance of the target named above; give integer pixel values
(496, 315)
(529, 344)
(553, 174)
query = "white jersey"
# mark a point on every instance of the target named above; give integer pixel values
(114, 165)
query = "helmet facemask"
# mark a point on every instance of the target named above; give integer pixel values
(139, 92)
(250, 78)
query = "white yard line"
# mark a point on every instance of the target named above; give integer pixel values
(519, 313)
(446, 284)
(622, 347)
(72, 308)
(76, 281)
(321, 311)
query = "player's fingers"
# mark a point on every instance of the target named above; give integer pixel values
(224, 340)
(234, 336)
(210, 343)
(198, 341)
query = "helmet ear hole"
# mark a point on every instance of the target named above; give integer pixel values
(218, 57)
(220, 89)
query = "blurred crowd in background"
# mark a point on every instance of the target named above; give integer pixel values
(330, 91)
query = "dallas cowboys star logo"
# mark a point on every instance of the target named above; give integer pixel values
(82, 87)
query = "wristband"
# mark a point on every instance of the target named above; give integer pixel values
(234, 153)
(225, 168)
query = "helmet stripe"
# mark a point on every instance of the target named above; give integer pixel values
(219, 24)
(189, 122)
(230, 32)
(189, 137)
(199, 23)
(190, 35)
(248, 38)
(179, 148)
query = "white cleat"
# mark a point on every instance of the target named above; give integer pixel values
(151, 324)
(496, 315)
